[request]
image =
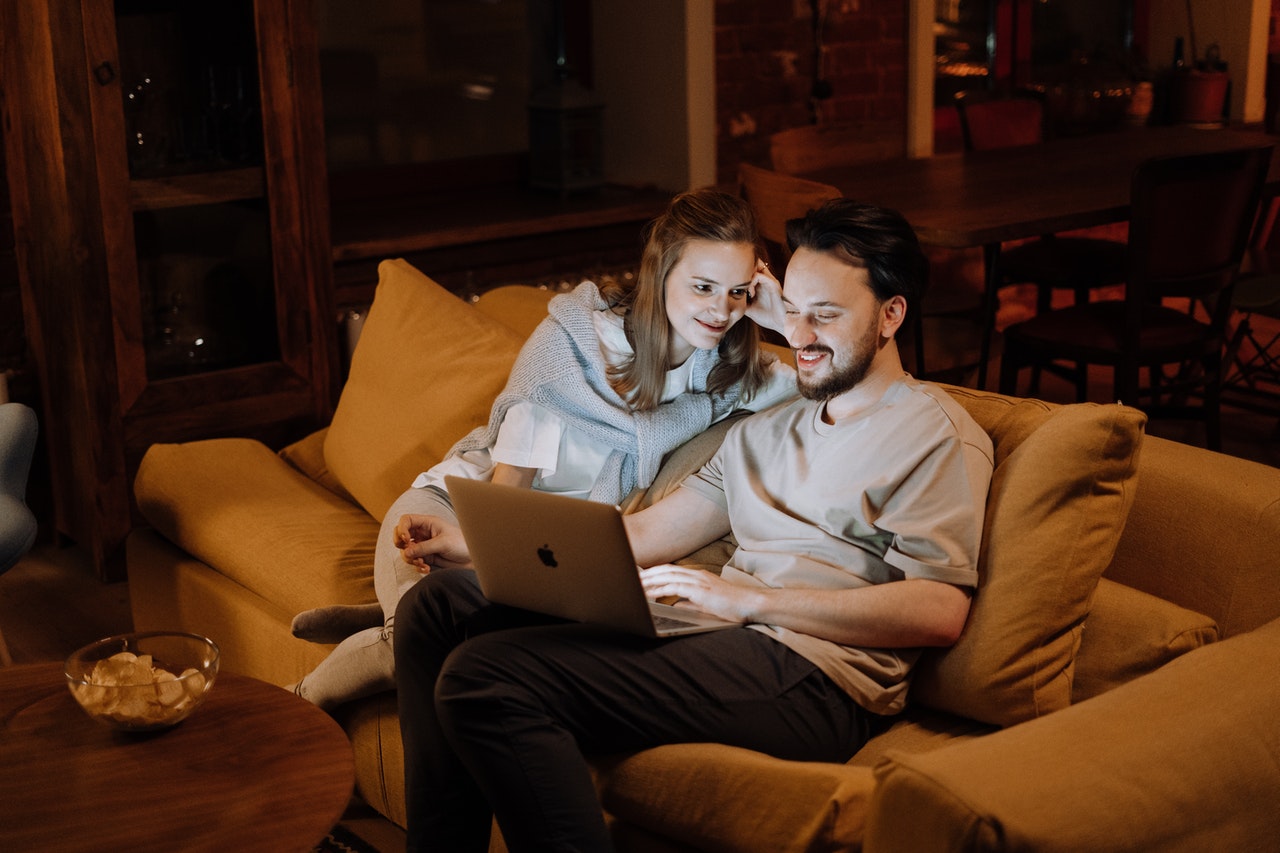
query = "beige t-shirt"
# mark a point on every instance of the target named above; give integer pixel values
(897, 492)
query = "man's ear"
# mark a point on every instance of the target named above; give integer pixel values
(893, 312)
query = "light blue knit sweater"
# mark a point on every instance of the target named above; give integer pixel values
(561, 368)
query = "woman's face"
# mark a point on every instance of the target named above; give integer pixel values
(706, 294)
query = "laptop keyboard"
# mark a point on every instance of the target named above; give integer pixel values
(667, 623)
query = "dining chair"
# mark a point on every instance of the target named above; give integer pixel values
(775, 198)
(950, 313)
(1252, 363)
(989, 121)
(814, 147)
(1050, 262)
(1189, 225)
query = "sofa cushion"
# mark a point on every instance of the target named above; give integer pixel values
(1130, 633)
(1183, 759)
(919, 729)
(1060, 493)
(717, 797)
(425, 372)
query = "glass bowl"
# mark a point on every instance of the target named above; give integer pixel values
(144, 681)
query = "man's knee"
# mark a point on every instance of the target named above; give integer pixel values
(475, 679)
(417, 603)
(443, 598)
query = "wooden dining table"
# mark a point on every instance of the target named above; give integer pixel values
(981, 199)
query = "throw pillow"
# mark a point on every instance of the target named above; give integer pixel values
(1130, 633)
(425, 372)
(1061, 491)
(519, 307)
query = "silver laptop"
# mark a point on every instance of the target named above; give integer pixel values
(562, 556)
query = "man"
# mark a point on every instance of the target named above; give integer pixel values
(858, 514)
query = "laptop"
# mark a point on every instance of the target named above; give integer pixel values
(562, 556)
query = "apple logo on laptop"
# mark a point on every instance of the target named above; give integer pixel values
(547, 556)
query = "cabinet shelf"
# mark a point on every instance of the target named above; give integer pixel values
(200, 188)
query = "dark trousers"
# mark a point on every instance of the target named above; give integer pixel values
(498, 707)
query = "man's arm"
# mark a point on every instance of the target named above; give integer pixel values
(899, 614)
(674, 527)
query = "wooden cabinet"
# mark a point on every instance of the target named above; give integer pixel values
(166, 165)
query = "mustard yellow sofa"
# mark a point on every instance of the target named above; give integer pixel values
(1116, 686)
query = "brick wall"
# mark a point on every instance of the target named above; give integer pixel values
(765, 69)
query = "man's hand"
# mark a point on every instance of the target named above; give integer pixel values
(428, 541)
(700, 590)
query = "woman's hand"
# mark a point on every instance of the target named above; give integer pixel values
(700, 590)
(764, 303)
(428, 541)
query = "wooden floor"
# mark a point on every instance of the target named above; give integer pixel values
(51, 605)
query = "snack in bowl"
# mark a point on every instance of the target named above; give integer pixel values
(144, 681)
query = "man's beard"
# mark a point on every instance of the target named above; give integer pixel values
(843, 377)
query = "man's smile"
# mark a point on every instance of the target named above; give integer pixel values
(811, 356)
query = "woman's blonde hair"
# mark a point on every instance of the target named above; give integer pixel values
(702, 214)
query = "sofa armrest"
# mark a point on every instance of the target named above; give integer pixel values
(1185, 758)
(244, 511)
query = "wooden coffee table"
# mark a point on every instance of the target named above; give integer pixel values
(253, 768)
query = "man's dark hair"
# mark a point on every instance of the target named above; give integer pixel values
(865, 236)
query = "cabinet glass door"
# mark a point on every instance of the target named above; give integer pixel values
(194, 144)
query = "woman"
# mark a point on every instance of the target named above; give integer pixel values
(609, 383)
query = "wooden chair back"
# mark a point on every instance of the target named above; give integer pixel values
(989, 122)
(775, 198)
(814, 147)
(1190, 225)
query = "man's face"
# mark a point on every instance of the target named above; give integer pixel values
(833, 322)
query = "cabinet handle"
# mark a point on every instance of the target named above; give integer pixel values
(104, 74)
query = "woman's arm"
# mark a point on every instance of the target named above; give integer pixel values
(429, 542)
(513, 475)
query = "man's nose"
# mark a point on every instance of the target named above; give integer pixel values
(799, 332)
